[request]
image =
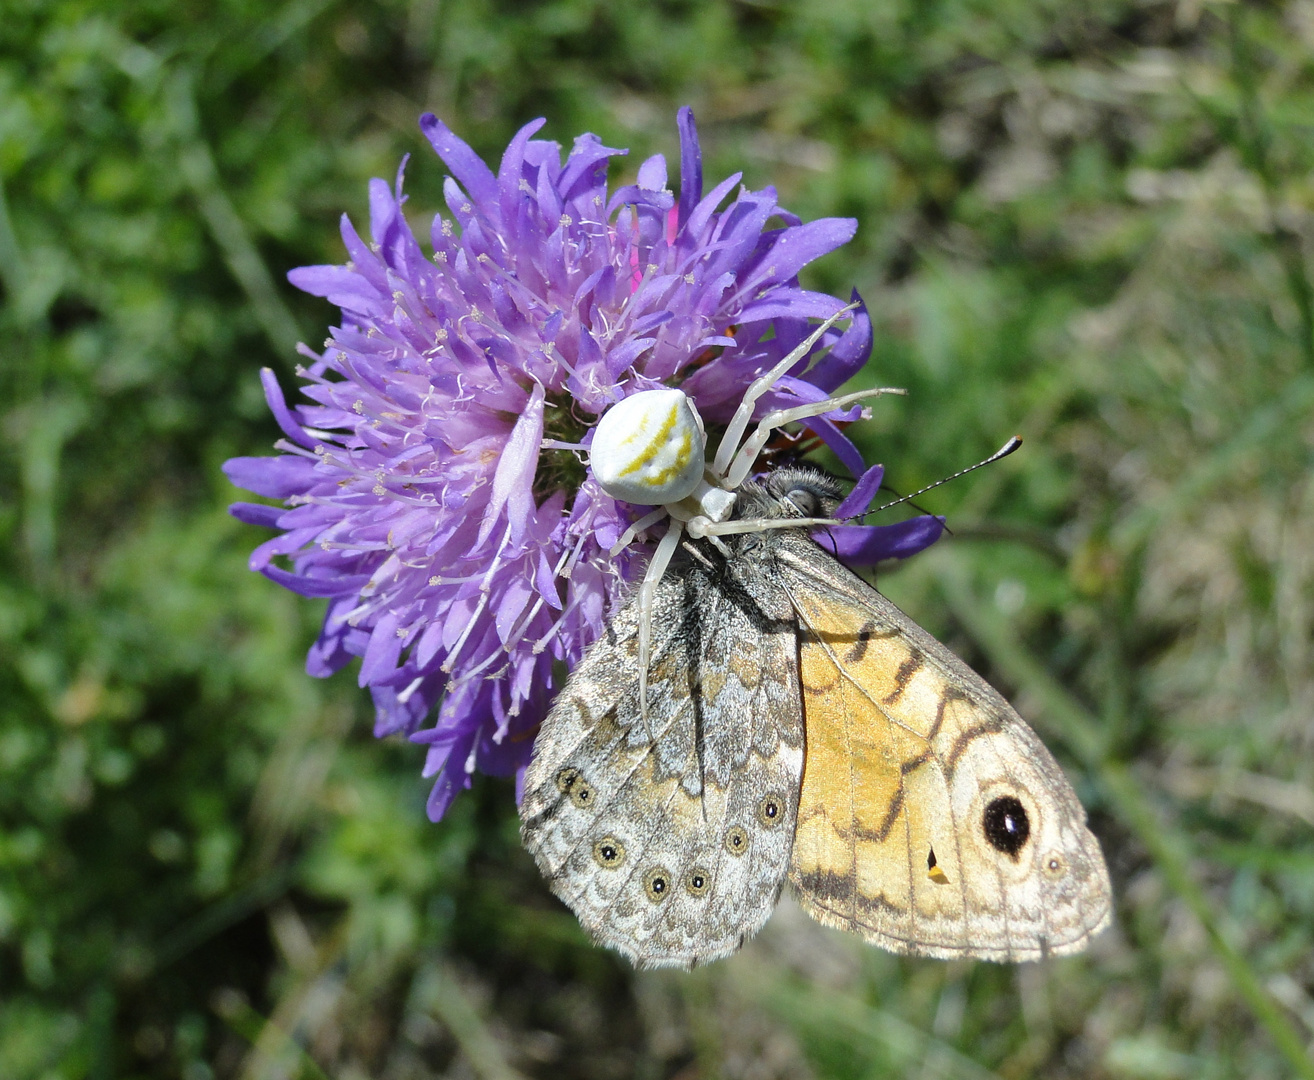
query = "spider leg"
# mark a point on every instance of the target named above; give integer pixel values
(710, 530)
(743, 463)
(661, 558)
(739, 422)
(627, 537)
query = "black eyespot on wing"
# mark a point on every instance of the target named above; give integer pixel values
(1006, 825)
(697, 881)
(609, 852)
(581, 793)
(736, 839)
(566, 779)
(771, 809)
(657, 883)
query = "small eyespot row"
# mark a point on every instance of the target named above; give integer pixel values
(609, 853)
(657, 883)
(571, 783)
(697, 882)
(771, 809)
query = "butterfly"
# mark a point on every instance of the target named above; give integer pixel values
(795, 726)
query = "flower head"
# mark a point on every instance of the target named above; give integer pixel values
(460, 557)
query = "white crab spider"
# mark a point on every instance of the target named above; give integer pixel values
(650, 449)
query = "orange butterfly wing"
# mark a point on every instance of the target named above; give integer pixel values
(931, 818)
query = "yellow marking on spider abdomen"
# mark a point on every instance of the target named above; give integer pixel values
(646, 457)
(648, 448)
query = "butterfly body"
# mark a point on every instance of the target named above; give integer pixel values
(800, 727)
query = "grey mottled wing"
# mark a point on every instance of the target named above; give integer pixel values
(673, 849)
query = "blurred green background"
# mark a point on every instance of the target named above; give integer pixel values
(1087, 222)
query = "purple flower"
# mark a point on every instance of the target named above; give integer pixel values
(461, 558)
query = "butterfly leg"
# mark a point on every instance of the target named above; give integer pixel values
(661, 559)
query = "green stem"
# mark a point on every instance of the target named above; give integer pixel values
(438, 991)
(1254, 141)
(198, 168)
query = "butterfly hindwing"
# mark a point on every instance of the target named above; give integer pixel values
(931, 819)
(800, 725)
(674, 850)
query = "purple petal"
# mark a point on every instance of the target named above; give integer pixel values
(545, 581)
(403, 711)
(620, 359)
(467, 167)
(848, 354)
(795, 248)
(327, 656)
(452, 777)
(383, 211)
(864, 545)
(703, 211)
(513, 481)
(511, 605)
(511, 172)
(652, 173)
(257, 513)
(286, 421)
(790, 303)
(384, 649)
(286, 544)
(691, 164)
(582, 170)
(857, 501)
(308, 586)
(333, 282)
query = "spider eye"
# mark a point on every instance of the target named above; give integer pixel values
(649, 448)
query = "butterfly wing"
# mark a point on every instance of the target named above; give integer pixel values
(932, 820)
(674, 849)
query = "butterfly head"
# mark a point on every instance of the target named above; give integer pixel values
(799, 492)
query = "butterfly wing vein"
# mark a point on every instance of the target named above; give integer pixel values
(800, 726)
(694, 870)
(909, 754)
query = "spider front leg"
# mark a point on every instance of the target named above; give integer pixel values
(762, 384)
(738, 470)
(661, 559)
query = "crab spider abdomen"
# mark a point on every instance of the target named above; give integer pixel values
(649, 448)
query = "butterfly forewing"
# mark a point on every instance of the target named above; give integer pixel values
(673, 849)
(931, 819)
(800, 725)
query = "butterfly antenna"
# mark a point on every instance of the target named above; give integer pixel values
(1002, 452)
